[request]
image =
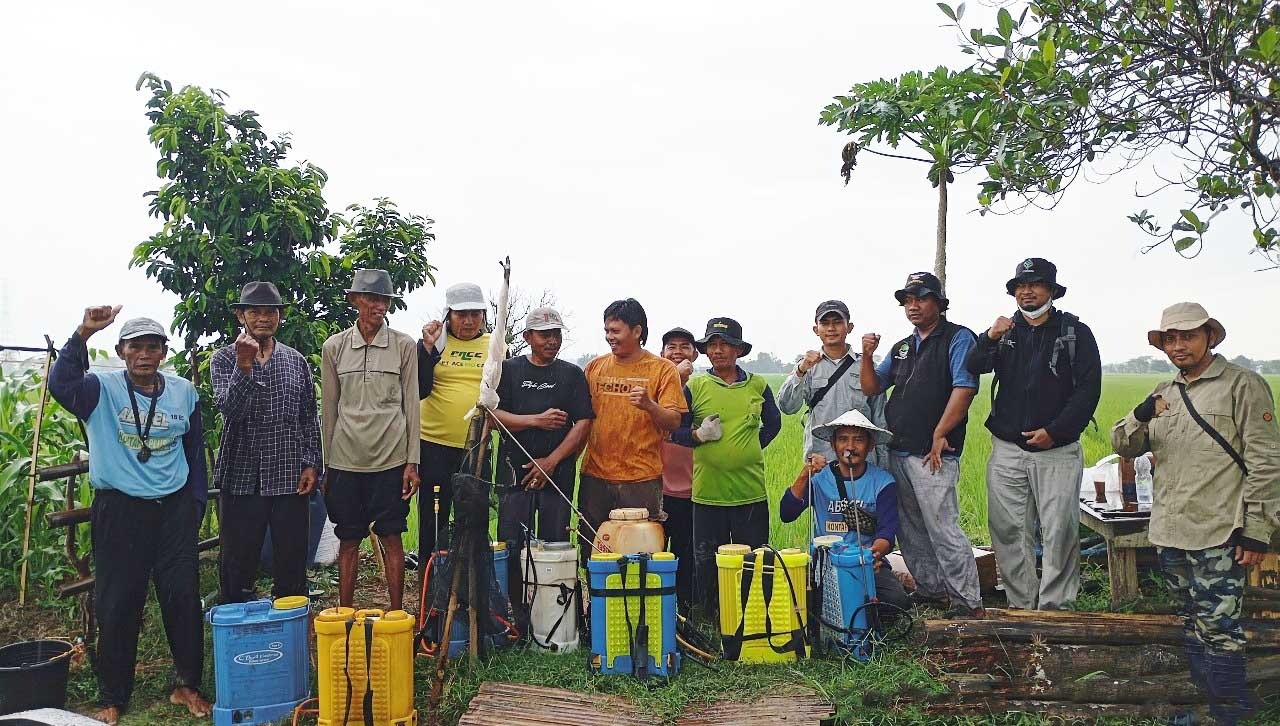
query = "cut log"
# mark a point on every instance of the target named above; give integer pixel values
(1082, 629)
(1062, 661)
(67, 517)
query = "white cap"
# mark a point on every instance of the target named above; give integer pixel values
(464, 296)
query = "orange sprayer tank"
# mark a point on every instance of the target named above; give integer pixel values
(628, 531)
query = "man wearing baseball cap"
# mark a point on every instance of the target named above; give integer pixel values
(149, 489)
(1048, 377)
(1216, 492)
(677, 472)
(544, 402)
(451, 359)
(829, 382)
(927, 414)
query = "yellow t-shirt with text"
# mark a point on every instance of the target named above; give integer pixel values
(454, 392)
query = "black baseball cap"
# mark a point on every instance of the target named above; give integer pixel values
(677, 332)
(920, 284)
(831, 306)
(728, 329)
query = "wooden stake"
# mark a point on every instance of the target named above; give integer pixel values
(35, 464)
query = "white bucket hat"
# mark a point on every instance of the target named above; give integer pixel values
(857, 420)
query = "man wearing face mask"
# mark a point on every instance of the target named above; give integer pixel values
(1048, 377)
(451, 359)
(1213, 432)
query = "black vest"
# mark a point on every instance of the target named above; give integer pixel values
(921, 388)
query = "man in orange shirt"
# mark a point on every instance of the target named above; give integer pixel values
(638, 398)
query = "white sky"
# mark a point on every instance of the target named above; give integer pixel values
(666, 151)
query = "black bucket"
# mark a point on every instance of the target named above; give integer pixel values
(33, 674)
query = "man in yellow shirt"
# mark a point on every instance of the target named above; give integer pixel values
(451, 357)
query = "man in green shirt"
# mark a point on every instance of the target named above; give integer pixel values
(1216, 492)
(732, 417)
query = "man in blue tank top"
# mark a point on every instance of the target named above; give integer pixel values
(148, 474)
(851, 490)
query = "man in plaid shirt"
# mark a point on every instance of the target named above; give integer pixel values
(269, 456)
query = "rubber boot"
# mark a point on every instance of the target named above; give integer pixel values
(1229, 700)
(1194, 648)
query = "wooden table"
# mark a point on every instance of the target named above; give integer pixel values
(1123, 538)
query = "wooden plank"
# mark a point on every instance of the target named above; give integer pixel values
(1122, 570)
(783, 710)
(516, 704)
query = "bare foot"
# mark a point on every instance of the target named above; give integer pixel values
(191, 698)
(109, 715)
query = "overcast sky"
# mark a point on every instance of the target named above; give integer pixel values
(666, 151)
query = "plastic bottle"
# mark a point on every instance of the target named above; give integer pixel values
(1142, 481)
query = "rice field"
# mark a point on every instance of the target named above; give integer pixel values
(784, 456)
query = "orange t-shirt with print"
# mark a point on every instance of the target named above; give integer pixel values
(625, 444)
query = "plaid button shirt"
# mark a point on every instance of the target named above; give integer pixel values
(270, 432)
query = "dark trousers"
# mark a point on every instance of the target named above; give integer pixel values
(517, 507)
(136, 541)
(714, 525)
(679, 530)
(244, 521)
(438, 464)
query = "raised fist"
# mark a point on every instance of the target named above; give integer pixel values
(809, 360)
(98, 317)
(431, 333)
(1001, 326)
(870, 342)
(685, 369)
(246, 350)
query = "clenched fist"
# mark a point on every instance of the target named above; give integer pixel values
(870, 342)
(809, 360)
(431, 333)
(96, 318)
(1001, 326)
(246, 350)
(685, 369)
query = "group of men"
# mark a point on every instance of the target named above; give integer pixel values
(650, 431)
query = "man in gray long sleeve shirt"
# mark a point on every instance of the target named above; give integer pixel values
(817, 369)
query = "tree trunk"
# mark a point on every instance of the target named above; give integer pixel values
(1085, 629)
(940, 253)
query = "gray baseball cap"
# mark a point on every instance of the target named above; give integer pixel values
(543, 318)
(464, 296)
(139, 327)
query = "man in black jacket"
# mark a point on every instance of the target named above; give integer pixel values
(1049, 377)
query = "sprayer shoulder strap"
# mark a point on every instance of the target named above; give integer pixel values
(1209, 429)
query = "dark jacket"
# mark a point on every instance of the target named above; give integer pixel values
(922, 385)
(1029, 396)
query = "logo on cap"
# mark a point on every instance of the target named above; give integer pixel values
(720, 325)
(1027, 264)
(914, 281)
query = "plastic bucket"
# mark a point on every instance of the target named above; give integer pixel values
(32, 675)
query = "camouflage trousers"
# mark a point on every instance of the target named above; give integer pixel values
(1209, 586)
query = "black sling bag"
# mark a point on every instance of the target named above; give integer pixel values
(1213, 433)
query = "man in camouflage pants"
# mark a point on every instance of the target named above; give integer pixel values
(1213, 432)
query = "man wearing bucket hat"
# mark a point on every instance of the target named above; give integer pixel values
(850, 488)
(828, 382)
(451, 359)
(732, 417)
(927, 414)
(1048, 376)
(269, 454)
(149, 483)
(1216, 492)
(544, 402)
(369, 396)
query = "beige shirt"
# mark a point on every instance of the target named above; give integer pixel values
(369, 400)
(1200, 495)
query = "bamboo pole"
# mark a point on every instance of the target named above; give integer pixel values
(35, 465)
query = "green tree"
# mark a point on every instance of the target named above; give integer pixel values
(1101, 85)
(953, 117)
(234, 210)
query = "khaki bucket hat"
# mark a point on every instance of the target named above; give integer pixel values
(1187, 316)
